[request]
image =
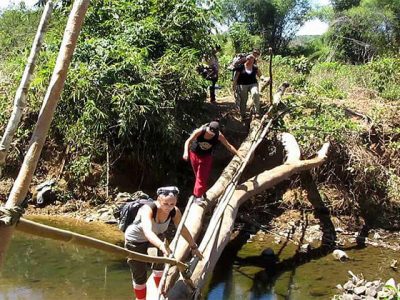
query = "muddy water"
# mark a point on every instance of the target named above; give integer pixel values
(38, 268)
(248, 275)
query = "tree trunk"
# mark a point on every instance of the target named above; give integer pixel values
(195, 217)
(22, 91)
(21, 185)
(196, 213)
(243, 192)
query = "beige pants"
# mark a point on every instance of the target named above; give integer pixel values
(242, 96)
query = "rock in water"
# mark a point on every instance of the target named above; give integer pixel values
(340, 255)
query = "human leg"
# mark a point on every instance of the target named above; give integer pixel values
(212, 89)
(255, 98)
(195, 162)
(202, 175)
(243, 95)
(158, 269)
(138, 269)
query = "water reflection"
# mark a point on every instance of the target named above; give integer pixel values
(43, 269)
(252, 271)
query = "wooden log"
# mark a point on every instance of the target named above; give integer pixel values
(24, 178)
(242, 193)
(82, 240)
(22, 91)
(195, 218)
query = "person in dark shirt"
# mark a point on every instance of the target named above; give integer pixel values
(245, 82)
(213, 65)
(202, 143)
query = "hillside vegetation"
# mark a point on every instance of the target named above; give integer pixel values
(133, 93)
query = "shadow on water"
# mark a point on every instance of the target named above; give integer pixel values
(292, 275)
(263, 269)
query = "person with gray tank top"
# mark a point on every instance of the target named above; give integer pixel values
(147, 230)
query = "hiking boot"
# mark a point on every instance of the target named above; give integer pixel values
(200, 201)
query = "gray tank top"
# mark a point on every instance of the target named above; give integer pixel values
(134, 233)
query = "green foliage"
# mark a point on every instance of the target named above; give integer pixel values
(312, 122)
(385, 77)
(133, 81)
(330, 80)
(242, 39)
(276, 21)
(341, 5)
(79, 168)
(16, 31)
(359, 33)
(290, 69)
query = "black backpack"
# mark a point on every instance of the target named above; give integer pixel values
(128, 208)
(237, 61)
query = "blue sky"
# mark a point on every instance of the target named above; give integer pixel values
(310, 28)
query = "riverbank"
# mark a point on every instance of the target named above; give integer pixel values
(301, 228)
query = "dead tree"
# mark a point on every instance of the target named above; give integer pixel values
(22, 91)
(21, 185)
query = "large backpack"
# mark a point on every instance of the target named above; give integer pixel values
(237, 61)
(127, 207)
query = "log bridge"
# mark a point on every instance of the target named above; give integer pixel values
(185, 281)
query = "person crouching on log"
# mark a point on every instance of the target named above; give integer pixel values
(202, 143)
(147, 229)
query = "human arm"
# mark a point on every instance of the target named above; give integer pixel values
(186, 234)
(146, 216)
(228, 145)
(191, 138)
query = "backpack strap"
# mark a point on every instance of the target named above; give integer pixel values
(153, 207)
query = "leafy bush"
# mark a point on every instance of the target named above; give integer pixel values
(384, 77)
(132, 84)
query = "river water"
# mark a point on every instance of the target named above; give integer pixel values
(37, 268)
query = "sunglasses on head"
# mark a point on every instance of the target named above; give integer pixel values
(167, 193)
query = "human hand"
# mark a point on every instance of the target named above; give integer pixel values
(185, 156)
(196, 252)
(165, 249)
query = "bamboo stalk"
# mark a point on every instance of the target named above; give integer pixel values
(270, 75)
(22, 91)
(24, 178)
(66, 236)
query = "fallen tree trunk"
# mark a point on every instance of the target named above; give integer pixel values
(196, 213)
(242, 193)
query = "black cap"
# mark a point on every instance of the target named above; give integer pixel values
(214, 126)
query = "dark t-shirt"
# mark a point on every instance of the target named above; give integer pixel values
(246, 78)
(202, 146)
